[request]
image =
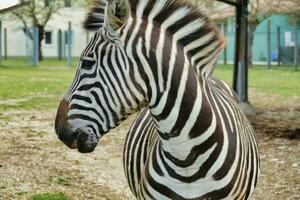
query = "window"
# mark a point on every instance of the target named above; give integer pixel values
(48, 37)
(68, 3)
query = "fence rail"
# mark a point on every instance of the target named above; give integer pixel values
(271, 46)
(276, 46)
(18, 42)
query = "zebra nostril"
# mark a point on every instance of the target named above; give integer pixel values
(86, 140)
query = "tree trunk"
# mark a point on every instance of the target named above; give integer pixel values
(41, 38)
(252, 29)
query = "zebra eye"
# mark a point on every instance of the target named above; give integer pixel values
(87, 64)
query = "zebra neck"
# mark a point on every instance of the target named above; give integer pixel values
(186, 118)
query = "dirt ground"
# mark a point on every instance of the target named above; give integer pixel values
(33, 161)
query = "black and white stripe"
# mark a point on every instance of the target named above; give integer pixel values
(191, 140)
(95, 17)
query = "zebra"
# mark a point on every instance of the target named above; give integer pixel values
(190, 139)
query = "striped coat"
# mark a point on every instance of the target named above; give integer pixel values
(191, 140)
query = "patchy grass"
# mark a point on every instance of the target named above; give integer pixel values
(47, 196)
(21, 193)
(282, 81)
(25, 62)
(2, 187)
(62, 181)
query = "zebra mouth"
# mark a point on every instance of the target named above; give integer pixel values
(67, 136)
(73, 146)
(83, 141)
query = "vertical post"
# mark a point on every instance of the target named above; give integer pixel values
(35, 46)
(70, 45)
(237, 48)
(278, 46)
(269, 45)
(240, 81)
(59, 44)
(5, 43)
(296, 44)
(223, 30)
(28, 54)
(64, 43)
(0, 42)
(225, 49)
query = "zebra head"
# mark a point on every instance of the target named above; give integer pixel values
(105, 89)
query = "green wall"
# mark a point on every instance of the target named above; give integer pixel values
(260, 39)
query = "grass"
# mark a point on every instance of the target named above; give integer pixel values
(21, 193)
(24, 62)
(283, 81)
(26, 87)
(61, 181)
(48, 196)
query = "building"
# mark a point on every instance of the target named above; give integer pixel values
(19, 45)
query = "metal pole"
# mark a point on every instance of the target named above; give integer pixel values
(269, 45)
(28, 55)
(237, 48)
(70, 45)
(64, 42)
(35, 46)
(0, 42)
(5, 43)
(296, 44)
(59, 44)
(278, 46)
(241, 59)
(225, 49)
(223, 30)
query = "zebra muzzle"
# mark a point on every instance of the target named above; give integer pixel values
(84, 138)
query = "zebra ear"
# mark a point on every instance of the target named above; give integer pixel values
(117, 13)
(95, 18)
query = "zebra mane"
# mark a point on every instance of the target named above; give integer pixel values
(95, 18)
(202, 47)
